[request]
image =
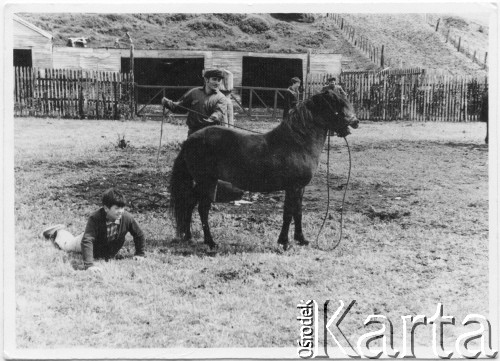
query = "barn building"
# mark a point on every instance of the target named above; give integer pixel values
(184, 67)
(32, 45)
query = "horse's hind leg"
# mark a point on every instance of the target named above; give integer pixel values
(189, 210)
(206, 190)
(297, 219)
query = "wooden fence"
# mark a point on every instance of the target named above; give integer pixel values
(462, 46)
(373, 52)
(73, 93)
(412, 95)
(400, 94)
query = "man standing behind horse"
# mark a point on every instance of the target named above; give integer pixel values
(207, 106)
(332, 85)
(291, 96)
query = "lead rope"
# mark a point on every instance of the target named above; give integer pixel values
(221, 122)
(328, 194)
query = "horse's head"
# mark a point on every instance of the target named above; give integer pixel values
(337, 111)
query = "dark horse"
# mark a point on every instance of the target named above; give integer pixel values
(283, 159)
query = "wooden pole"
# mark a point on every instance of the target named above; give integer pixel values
(308, 71)
(382, 57)
(131, 79)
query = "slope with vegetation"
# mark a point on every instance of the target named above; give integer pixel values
(409, 41)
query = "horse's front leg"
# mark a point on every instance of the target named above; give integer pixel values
(297, 218)
(206, 191)
(287, 218)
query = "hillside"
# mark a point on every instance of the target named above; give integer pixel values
(408, 39)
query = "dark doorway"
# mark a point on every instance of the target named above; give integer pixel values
(22, 57)
(172, 72)
(269, 73)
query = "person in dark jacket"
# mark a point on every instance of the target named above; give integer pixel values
(104, 234)
(291, 96)
(332, 84)
(206, 105)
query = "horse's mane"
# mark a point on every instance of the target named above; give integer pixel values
(299, 122)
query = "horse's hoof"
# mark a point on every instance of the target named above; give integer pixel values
(301, 241)
(286, 246)
(212, 245)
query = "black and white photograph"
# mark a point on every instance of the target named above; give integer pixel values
(250, 180)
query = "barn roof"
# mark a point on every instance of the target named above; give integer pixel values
(32, 27)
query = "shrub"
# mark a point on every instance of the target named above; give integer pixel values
(94, 22)
(456, 22)
(209, 27)
(179, 17)
(115, 17)
(284, 29)
(270, 35)
(231, 19)
(299, 17)
(226, 45)
(254, 25)
(251, 45)
(313, 40)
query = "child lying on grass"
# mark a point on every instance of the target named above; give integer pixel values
(104, 234)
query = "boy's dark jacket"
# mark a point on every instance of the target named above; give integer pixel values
(94, 241)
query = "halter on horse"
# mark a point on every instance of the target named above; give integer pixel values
(285, 158)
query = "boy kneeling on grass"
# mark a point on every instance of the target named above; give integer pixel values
(104, 234)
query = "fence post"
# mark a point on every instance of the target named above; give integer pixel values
(250, 103)
(308, 70)
(402, 97)
(131, 80)
(275, 108)
(459, 41)
(437, 24)
(485, 58)
(382, 57)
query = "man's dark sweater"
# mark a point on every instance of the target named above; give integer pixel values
(95, 243)
(205, 103)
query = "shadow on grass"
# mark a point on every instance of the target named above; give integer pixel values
(471, 146)
(197, 248)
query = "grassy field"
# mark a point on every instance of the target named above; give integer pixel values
(415, 234)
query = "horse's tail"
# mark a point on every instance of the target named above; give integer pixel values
(182, 195)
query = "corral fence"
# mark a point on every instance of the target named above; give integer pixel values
(374, 52)
(410, 94)
(399, 94)
(251, 101)
(70, 93)
(461, 44)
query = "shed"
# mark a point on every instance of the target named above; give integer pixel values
(32, 45)
(112, 59)
(184, 67)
